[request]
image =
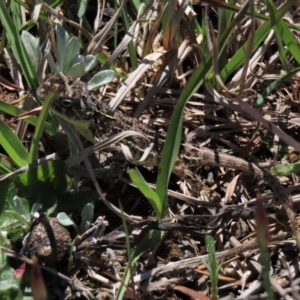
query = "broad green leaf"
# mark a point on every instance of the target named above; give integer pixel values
(78, 59)
(71, 52)
(90, 62)
(87, 215)
(62, 39)
(51, 62)
(82, 8)
(21, 206)
(64, 220)
(101, 78)
(77, 70)
(32, 47)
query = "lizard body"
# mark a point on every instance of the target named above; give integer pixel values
(74, 101)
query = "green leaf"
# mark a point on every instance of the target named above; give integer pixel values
(36, 207)
(259, 36)
(32, 47)
(71, 52)
(64, 220)
(51, 210)
(39, 128)
(173, 138)
(101, 78)
(82, 8)
(4, 242)
(16, 14)
(147, 191)
(12, 145)
(21, 206)
(284, 170)
(78, 59)
(14, 111)
(62, 39)
(90, 62)
(51, 62)
(8, 191)
(77, 70)
(274, 84)
(22, 219)
(53, 173)
(87, 215)
(5, 166)
(9, 284)
(282, 29)
(18, 48)
(213, 267)
(149, 241)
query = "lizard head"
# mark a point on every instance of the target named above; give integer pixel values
(72, 99)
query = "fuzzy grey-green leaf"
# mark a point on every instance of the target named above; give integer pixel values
(101, 78)
(64, 219)
(32, 47)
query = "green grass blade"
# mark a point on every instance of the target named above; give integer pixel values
(213, 268)
(131, 260)
(274, 84)
(14, 111)
(131, 48)
(223, 22)
(173, 139)
(14, 215)
(282, 29)
(151, 239)
(5, 166)
(282, 52)
(146, 190)
(259, 36)
(16, 14)
(18, 48)
(34, 149)
(53, 174)
(12, 145)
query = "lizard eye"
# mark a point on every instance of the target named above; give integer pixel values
(66, 102)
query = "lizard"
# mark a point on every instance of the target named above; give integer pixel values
(77, 105)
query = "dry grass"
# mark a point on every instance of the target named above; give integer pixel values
(153, 73)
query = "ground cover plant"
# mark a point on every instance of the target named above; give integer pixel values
(149, 150)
